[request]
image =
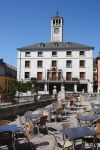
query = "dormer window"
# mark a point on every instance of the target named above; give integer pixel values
(41, 44)
(55, 44)
(69, 44)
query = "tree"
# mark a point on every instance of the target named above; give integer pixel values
(12, 88)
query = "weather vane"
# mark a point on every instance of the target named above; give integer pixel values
(57, 12)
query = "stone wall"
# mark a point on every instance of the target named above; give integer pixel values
(10, 112)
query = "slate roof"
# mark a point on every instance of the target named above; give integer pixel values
(57, 46)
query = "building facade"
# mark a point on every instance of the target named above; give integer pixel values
(7, 74)
(98, 72)
(57, 63)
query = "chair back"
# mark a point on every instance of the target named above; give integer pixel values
(63, 106)
(19, 121)
(4, 122)
(43, 120)
(53, 139)
(28, 128)
(98, 130)
(58, 111)
(92, 105)
(28, 113)
(66, 125)
(80, 122)
(5, 138)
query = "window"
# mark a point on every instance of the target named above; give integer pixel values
(68, 53)
(53, 75)
(53, 21)
(27, 54)
(82, 63)
(54, 63)
(27, 63)
(82, 53)
(5, 81)
(68, 76)
(40, 87)
(27, 75)
(59, 75)
(68, 63)
(48, 75)
(82, 75)
(54, 53)
(40, 54)
(57, 22)
(39, 75)
(39, 63)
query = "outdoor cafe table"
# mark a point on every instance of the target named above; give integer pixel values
(88, 117)
(5, 128)
(96, 110)
(34, 117)
(78, 133)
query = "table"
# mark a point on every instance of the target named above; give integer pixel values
(12, 128)
(50, 107)
(79, 133)
(88, 117)
(96, 110)
(33, 117)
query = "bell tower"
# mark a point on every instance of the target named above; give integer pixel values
(57, 28)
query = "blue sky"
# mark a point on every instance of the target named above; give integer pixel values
(26, 22)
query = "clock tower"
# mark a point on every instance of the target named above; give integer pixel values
(57, 28)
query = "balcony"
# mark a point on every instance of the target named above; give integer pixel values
(54, 68)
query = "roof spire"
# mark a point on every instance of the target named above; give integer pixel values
(57, 13)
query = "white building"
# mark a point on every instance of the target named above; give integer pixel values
(57, 63)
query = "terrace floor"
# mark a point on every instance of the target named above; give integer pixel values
(42, 141)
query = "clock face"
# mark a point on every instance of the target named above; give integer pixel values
(56, 30)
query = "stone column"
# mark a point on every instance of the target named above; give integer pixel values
(45, 87)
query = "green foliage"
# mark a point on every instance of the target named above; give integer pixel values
(1, 90)
(21, 87)
(12, 88)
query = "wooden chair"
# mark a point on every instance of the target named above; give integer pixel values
(65, 125)
(20, 121)
(58, 142)
(80, 122)
(42, 122)
(7, 139)
(25, 133)
(4, 122)
(90, 140)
